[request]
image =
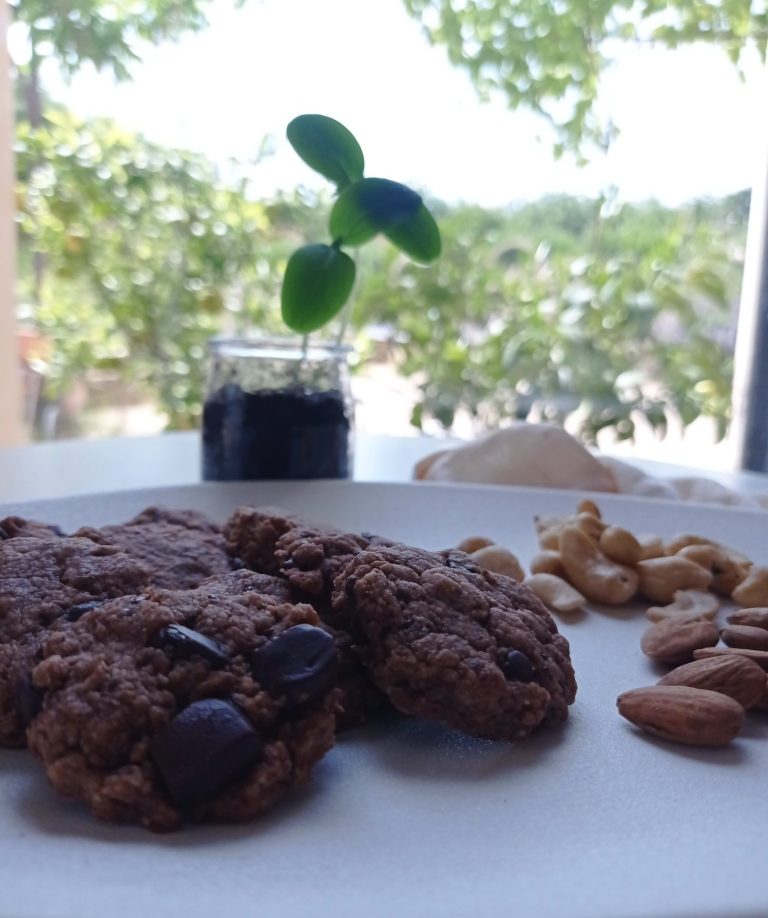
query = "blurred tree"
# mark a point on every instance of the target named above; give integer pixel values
(132, 255)
(549, 56)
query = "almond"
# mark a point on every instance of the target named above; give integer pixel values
(674, 641)
(734, 676)
(745, 636)
(762, 702)
(695, 716)
(755, 618)
(757, 656)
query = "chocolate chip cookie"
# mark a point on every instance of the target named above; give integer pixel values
(309, 556)
(475, 650)
(195, 704)
(181, 548)
(44, 583)
(14, 527)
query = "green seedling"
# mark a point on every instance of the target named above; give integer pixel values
(319, 278)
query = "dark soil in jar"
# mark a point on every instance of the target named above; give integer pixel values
(273, 434)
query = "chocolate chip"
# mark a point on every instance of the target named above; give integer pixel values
(74, 612)
(184, 642)
(238, 564)
(299, 663)
(30, 700)
(517, 667)
(206, 747)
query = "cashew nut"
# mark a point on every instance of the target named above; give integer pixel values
(498, 560)
(473, 543)
(547, 562)
(683, 540)
(555, 593)
(661, 578)
(652, 546)
(548, 530)
(592, 573)
(620, 545)
(726, 573)
(753, 590)
(590, 525)
(589, 506)
(688, 605)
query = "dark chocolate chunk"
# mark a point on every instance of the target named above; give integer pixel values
(184, 642)
(299, 663)
(517, 667)
(206, 747)
(74, 612)
(30, 700)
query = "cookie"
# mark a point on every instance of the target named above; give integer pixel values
(181, 548)
(44, 583)
(475, 650)
(195, 704)
(309, 556)
(14, 527)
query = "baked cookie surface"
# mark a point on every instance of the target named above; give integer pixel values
(308, 556)
(181, 548)
(44, 583)
(475, 650)
(195, 704)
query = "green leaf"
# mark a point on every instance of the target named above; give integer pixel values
(418, 236)
(327, 147)
(317, 282)
(371, 206)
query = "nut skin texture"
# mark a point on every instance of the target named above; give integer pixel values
(688, 605)
(661, 578)
(745, 636)
(757, 656)
(755, 618)
(498, 560)
(726, 573)
(473, 543)
(592, 573)
(735, 676)
(753, 590)
(547, 562)
(674, 642)
(556, 593)
(694, 716)
(620, 545)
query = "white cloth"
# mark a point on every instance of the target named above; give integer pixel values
(540, 455)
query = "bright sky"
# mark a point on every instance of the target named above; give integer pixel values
(689, 125)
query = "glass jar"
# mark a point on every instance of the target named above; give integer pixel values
(276, 410)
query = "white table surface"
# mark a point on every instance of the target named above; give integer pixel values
(72, 467)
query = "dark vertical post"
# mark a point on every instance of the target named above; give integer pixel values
(750, 385)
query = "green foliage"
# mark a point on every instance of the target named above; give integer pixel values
(615, 322)
(132, 256)
(147, 253)
(107, 35)
(549, 57)
(328, 273)
(328, 147)
(320, 281)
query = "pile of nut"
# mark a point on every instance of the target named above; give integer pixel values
(583, 559)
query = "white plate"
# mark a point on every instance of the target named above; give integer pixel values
(409, 819)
